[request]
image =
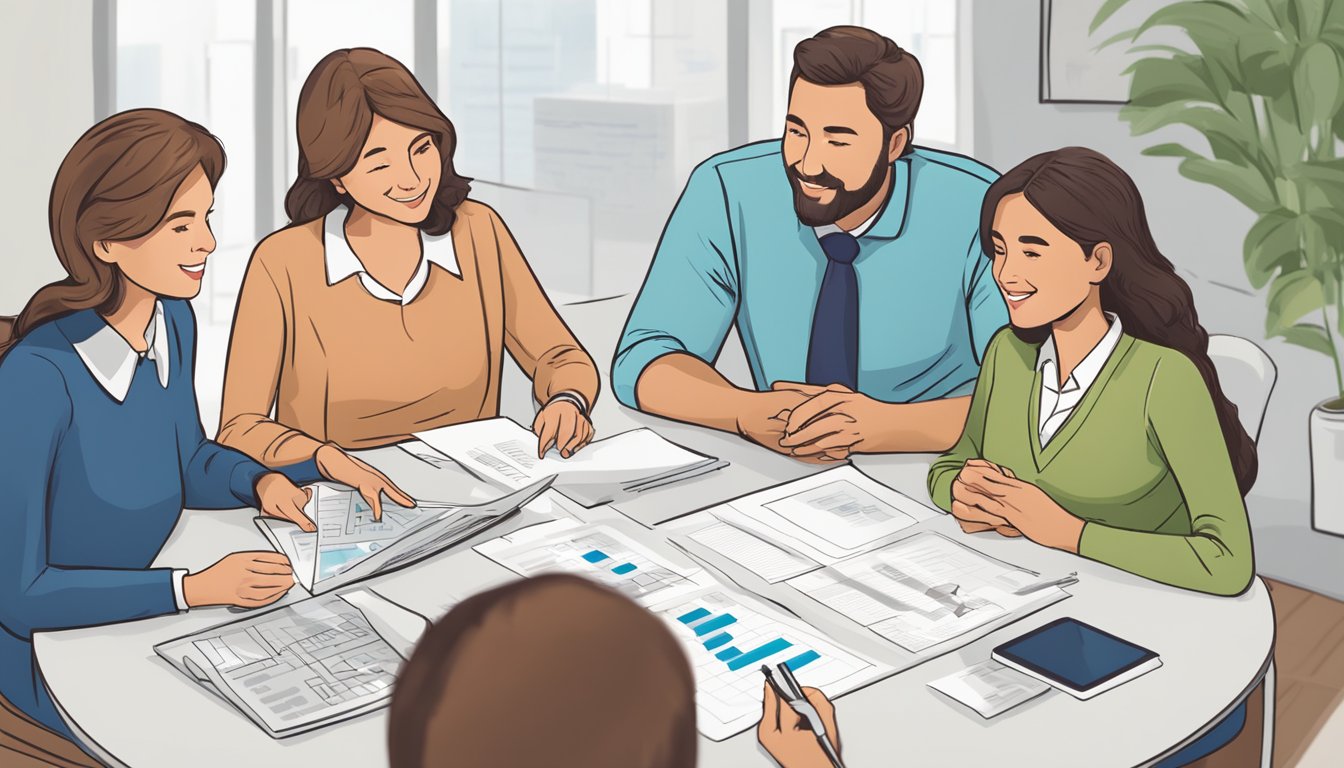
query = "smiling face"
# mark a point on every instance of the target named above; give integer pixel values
(1043, 274)
(397, 174)
(170, 260)
(836, 152)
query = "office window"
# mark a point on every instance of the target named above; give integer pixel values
(196, 59)
(926, 28)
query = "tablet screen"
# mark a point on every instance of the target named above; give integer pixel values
(1076, 654)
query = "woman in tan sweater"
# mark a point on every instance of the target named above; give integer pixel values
(384, 308)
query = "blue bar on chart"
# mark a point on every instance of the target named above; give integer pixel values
(727, 653)
(802, 660)
(717, 640)
(763, 652)
(595, 556)
(693, 616)
(623, 569)
(716, 623)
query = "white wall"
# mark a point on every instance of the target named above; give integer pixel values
(47, 66)
(1200, 229)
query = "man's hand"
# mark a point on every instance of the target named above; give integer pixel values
(563, 425)
(995, 493)
(834, 420)
(764, 416)
(787, 738)
(339, 466)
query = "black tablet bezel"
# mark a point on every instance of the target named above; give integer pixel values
(1004, 651)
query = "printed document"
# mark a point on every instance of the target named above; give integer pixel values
(303, 666)
(924, 590)
(350, 545)
(617, 467)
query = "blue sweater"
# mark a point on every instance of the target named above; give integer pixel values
(90, 490)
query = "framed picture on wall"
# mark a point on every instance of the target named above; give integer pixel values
(1075, 67)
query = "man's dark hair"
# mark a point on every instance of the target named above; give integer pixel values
(892, 80)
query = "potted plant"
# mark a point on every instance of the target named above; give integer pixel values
(1263, 82)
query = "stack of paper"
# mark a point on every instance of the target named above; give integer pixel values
(304, 666)
(612, 469)
(350, 545)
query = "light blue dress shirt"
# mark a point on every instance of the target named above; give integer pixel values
(734, 251)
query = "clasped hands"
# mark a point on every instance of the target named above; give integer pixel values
(988, 497)
(812, 423)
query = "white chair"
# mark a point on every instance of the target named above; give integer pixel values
(1247, 375)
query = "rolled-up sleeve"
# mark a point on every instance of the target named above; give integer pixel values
(689, 298)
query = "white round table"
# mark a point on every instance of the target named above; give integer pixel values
(135, 710)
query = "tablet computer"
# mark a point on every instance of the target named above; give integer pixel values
(1077, 658)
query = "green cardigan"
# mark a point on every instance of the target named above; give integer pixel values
(1141, 459)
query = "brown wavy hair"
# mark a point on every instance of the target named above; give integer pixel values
(336, 109)
(598, 681)
(892, 80)
(1092, 200)
(115, 183)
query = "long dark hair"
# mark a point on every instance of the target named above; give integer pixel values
(336, 109)
(115, 183)
(1092, 200)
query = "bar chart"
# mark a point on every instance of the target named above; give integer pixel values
(727, 638)
(604, 555)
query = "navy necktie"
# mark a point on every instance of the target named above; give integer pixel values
(833, 355)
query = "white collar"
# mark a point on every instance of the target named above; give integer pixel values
(342, 262)
(1086, 371)
(859, 231)
(112, 360)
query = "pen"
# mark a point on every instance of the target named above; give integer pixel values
(1062, 581)
(770, 678)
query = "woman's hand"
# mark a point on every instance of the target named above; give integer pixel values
(563, 425)
(278, 497)
(783, 734)
(995, 492)
(244, 579)
(971, 518)
(339, 466)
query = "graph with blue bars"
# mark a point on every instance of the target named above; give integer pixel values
(715, 629)
(729, 636)
(605, 556)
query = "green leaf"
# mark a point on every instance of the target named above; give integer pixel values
(1243, 183)
(1272, 244)
(1292, 296)
(1106, 11)
(1310, 16)
(1312, 337)
(1185, 79)
(1316, 85)
(1171, 150)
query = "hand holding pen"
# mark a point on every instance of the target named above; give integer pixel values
(790, 737)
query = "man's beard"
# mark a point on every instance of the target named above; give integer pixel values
(816, 214)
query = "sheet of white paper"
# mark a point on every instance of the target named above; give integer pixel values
(728, 636)
(923, 590)
(765, 558)
(303, 666)
(990, 688)
(600, 553)
(830, 515)
(349, 544)
(504, 451)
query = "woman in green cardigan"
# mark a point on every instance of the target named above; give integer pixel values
(1098, 425)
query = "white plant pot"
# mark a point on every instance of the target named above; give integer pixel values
(1327, 470)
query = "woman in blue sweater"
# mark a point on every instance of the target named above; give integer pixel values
(101, 445)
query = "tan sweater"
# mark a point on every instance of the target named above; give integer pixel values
(337, 364)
